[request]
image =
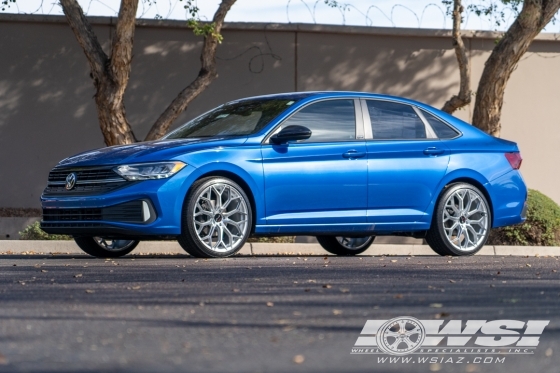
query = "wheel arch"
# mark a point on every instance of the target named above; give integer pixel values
(474, 182)
(238, 180)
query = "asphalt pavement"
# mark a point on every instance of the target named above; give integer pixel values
(258, 314)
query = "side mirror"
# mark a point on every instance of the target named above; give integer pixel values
(291, 133)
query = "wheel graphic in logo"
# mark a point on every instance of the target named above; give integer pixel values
(401, 336)
(71, 181)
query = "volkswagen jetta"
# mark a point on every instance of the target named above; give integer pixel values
(343, 166)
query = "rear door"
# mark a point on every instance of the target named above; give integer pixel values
(406, 163)
(321, 180)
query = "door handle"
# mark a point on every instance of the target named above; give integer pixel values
(353, 154)
(433, 151)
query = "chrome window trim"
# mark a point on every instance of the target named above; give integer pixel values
(278, 127)
(368, 131)
(359, 119)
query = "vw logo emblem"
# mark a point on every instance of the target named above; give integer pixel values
(401, 336)
(70, 181)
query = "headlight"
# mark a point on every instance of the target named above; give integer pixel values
(149, 171)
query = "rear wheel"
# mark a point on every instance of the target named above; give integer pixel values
(217, 218)
(461, 222)
(104, 247)
(339, 245)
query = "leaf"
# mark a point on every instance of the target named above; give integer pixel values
(337, 312)
(269, 304)
(327, 286)
(89, 291)
(298, 359)
(78, 275)
(436, 305)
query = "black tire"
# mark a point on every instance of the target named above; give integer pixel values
(437, 237)
(190, 240)
(334, 245)
(99, 248)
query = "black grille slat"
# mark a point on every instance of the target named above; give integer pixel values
(130, 212)
(94, 180)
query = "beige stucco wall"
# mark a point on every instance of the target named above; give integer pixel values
(47, 112)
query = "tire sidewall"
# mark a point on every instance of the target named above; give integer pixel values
(331, 244)
(188, 220)
(90, 246)
(439, 218)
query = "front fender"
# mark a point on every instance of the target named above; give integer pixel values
(245, 163)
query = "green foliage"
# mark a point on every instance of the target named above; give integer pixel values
(205, 29)
(34, 232)
(495, 11)
(542, 227)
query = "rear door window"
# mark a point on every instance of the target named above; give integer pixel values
(394, 121)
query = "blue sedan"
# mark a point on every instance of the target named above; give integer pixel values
(343, 166)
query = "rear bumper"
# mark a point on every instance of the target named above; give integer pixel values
(509, 199)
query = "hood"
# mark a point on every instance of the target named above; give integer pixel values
(150, 151)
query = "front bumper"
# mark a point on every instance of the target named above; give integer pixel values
(103, 214)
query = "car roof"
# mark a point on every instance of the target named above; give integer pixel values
(327, 94)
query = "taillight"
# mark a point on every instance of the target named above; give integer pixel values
(514, 160)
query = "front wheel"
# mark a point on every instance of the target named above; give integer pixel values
(217, 218)
(338, 245)
(104, 247)
(461, 222)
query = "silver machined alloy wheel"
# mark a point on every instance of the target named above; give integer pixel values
(217, 218)
(220, 217)
(114, 245)
(354, 243)
(465, 219)
(461, 221)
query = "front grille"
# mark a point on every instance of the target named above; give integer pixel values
(129, 212)
(91, 180)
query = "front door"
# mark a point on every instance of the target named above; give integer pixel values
(321, 180)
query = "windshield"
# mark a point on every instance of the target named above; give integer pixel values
(236, 119)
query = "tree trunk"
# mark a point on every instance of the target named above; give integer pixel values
(534, 16)
(110, 75)
(207, 74)
(464, 96)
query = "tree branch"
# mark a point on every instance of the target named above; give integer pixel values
(503, 60)
(206, 75)
(123, 40)
(86, 38)
(464, 96)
